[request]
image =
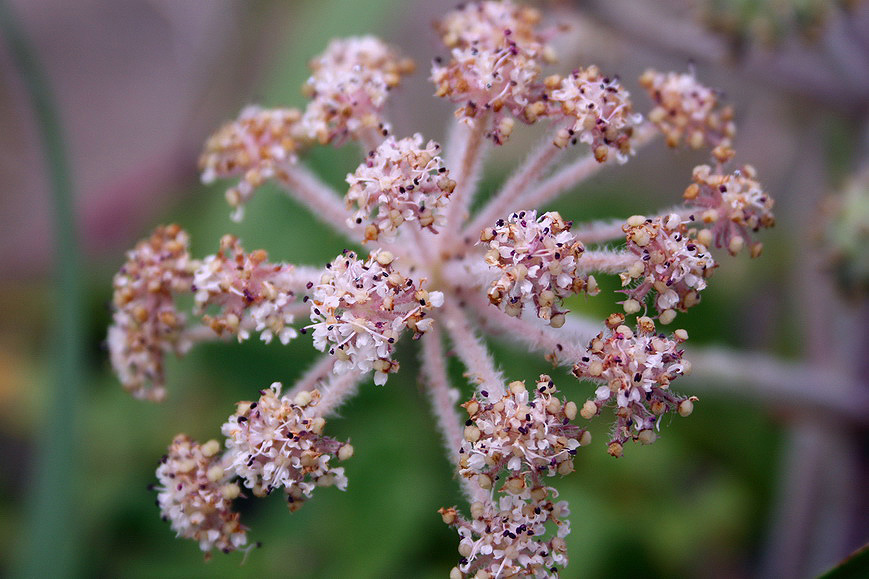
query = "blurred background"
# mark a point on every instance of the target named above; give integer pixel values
(766, 478)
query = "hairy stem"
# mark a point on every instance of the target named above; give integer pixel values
(473, 353)
(578, 171)
(565, 345)
(780, 383)
(324, 202)
(337, 390)
(300, 276)
(716, 370)
(316, 373)
(609, 230)
(600, 261)
(543, 155)
(443, 399)
(468, 145)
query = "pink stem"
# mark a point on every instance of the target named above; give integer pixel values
(576, 172)
(566, 345)
(306, 187)
(603, 231)
(319, 371)
(337, 390)
(535, 164)
(443, 399)
(473, 353)
(467, 144)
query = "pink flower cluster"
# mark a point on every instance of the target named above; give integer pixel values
(599, 112)
(255, 147)
(247, 286)
(635, 369)
(512, 535)
(670, 262)
(195, 495)
(146, 324)
(276, 443)
(688, 112)
(400, 181)
(734, 205)
(424, 275)
(537, 258)
(360, 308)
(348, 87)
(523, 437)
(496, 55)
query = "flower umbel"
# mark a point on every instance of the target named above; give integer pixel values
(277, 443)
(538, 261)
(146, 325)
(360, 309)
(424, 273)
(668, 261)
(399, 181)
(195, 495)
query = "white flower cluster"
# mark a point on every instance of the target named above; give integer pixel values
(537, 258)
(527, 438)
(277, 443)
(636, 369)
(360, 308)
(599, 111)
(146, 324)
(735, 205)
(348, 87)
(669, 262)
(246, 286)
(195, 495)
(509, 537)
(399, 181)
(687, 111)
(253, 147)
(496, 55)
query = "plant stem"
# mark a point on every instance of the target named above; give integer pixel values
(337, 390)
(543, 155)
(319, 371)
(578, 171)
(302, 184)
(609, 230)
(468, 145)
(51, 545)
(473, 352)
(444, 406)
